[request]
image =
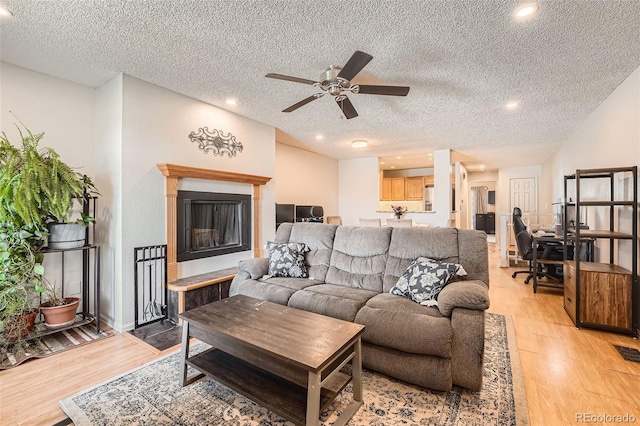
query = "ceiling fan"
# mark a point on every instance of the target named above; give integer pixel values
(336, 80)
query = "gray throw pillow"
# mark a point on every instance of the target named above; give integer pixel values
(423, 280)
(287, 260)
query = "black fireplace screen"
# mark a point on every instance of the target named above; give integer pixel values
(211, 224)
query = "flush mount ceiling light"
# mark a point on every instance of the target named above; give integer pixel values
(5, 12)
(511, 105)
(526, 11)
(359, 144)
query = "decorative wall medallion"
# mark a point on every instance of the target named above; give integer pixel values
(216, 142)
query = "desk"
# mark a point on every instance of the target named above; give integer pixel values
(557, 239)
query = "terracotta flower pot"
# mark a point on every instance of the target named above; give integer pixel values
(60, 316)
(21, 326)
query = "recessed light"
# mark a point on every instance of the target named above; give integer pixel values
(398, 157)
(511, 105)
(382, 162)
(5, 12)
(393, 167)
(319, 136)
(231, 102)
(359, 144)
(526, 11)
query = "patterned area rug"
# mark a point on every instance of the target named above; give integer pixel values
(151, 395)
(14, 355)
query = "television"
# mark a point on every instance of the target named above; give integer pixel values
(491, 196)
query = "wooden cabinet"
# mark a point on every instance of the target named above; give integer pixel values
(428, 180)
(392, 189)
(603, 294)
(397, 188)
(414, 188)
(385, 189)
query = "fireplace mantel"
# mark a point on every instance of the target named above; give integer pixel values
(172, 173)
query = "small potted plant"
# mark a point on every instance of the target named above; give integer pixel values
(399, 211)
(58, 311)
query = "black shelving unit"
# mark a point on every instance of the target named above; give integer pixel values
(90, 276)
(602, 295)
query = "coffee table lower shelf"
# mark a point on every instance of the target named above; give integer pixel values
(279, 395)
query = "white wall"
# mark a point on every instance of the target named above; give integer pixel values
(306, 178)
(358, 189)
(156, 126)
(610, 137)
(109, 181)
(63, 110)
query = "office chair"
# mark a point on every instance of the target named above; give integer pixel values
(400, 223)
(524, 242)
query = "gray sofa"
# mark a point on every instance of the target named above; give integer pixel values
(351, 270)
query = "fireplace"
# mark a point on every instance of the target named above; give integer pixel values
(212, 224)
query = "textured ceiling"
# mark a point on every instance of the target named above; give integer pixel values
(463, 60)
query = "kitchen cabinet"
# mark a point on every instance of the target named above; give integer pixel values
(428, 180)
(414, 188)
(385, 189)
(397, 188)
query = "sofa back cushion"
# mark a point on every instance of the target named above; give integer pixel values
(359, 257)
(474, 254)
(318, 237)
(407, 244)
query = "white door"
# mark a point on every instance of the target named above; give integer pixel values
(524, 194)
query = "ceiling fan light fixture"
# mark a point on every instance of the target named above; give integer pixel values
(359, 144)
(526, 11)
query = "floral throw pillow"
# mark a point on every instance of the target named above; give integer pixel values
(287, 260)
(423, 280)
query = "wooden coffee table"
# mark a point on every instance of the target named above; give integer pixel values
(285, 359)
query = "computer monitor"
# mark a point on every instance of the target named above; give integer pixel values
(285, 213)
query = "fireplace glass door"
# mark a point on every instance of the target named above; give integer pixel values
(210, 224)
(214, 224)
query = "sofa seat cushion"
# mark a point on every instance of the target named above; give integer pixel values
(400, 323)
(332, 300)
(274, 289)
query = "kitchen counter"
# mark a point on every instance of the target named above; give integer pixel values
(410, 211)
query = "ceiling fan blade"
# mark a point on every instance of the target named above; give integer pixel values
(355, 64)
(301, 103)
(289, 78)
(383, 90)
(347, 108)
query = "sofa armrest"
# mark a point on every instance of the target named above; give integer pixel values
(471, 294)
(256, 268)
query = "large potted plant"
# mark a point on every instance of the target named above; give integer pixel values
(38, 189)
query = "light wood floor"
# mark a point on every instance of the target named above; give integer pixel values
(566, 371)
